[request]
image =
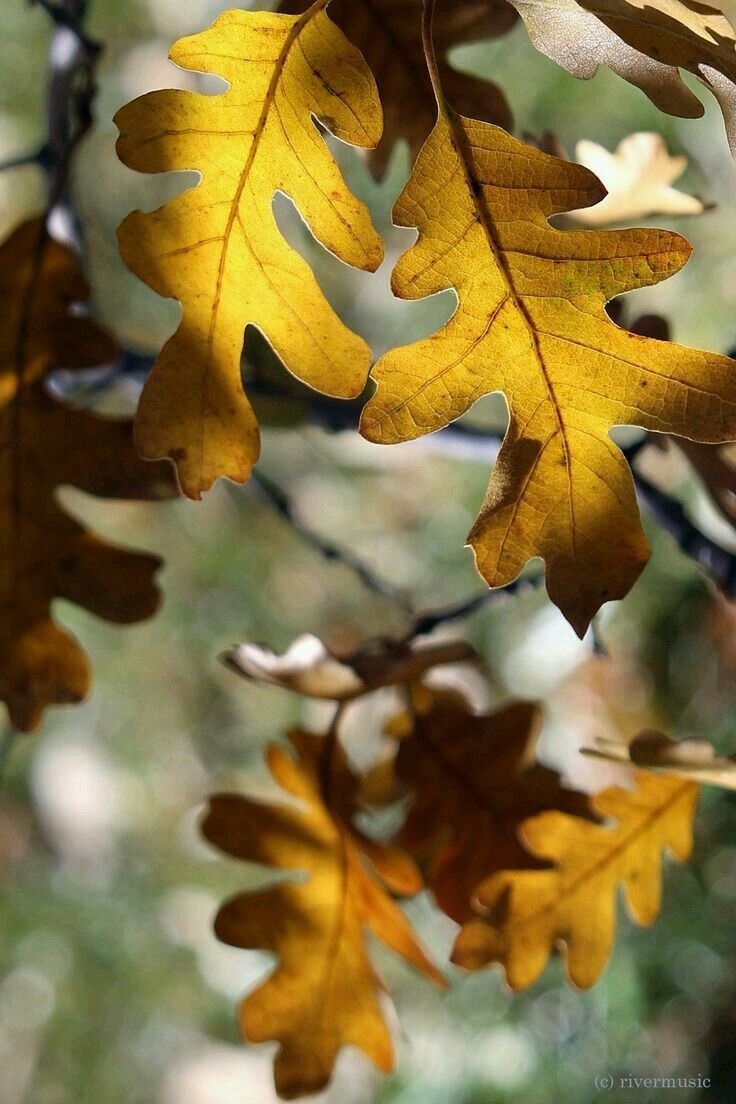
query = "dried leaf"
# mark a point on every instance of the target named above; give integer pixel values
(527, 913)
(217, 249)
(693, 759)
(638, 178)
(389, 35)
(309, 668)
(323, 993)
(44, 553)
(474, 780)
(531, 322)
(645, 42)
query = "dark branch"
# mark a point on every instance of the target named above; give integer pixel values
(336, 415)
(71, 90)
(427, 622)
(70, 96)
(719, 564)
(373, 582)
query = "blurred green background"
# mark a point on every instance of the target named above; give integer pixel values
(113, 989)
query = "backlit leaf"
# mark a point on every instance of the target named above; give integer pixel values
(531, 322)
(323, 994)
(527, 913)
(217, 248)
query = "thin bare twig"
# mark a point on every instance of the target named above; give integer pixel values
(330, 551)
(71, 90)
(430, 620)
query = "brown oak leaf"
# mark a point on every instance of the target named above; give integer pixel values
(44, 553)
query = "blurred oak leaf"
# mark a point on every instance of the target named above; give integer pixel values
(44, 553)
(693, 759)
(638, 178)
(646, 42)
(474, 780)
(525, 914)
(389, 35)
(323, 994)
(531, 322)
(217, 248)
(716, 466)
(308, 667)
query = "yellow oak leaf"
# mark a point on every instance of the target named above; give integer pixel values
(473, 780)
(389, 35)
(44, 553)
(323, 994)
(646, 42)
(217, 248)
(531, 322)
(527, 913)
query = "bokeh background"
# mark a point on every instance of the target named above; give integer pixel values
(113, 989)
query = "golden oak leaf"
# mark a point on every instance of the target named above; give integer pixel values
(308, 667)
(638, 178)
(531, 322)
(527, 913)
(44, 553)
(323, 994)
(389, 35)
(473, 780)
(217, 248)
(646, 42)
(692, 758)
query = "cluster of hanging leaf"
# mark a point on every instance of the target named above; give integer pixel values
(530, 320)
(522, 864)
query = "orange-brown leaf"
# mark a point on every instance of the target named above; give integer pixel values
(44, 553)
(474, 780)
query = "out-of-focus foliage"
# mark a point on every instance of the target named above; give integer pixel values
(693, 759)
(638, 177)
(113, 986)
(45, 554)
(309, 668)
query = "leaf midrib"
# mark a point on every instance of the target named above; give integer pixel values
(459, 141)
